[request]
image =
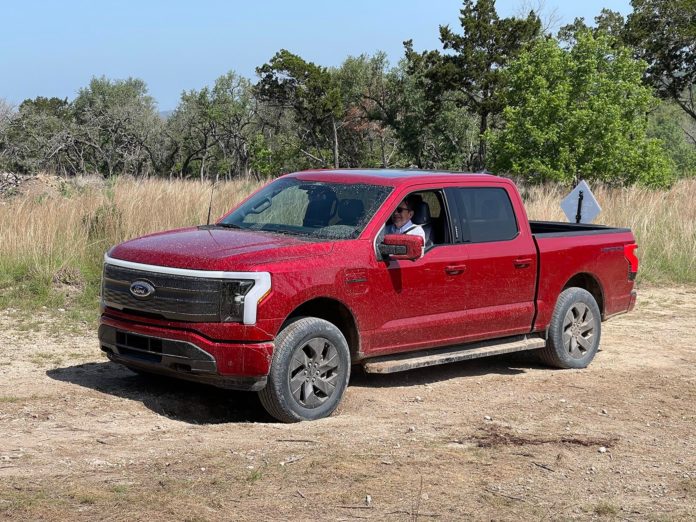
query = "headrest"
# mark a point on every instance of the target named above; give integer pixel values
(321, 207)
(421, 214)
(350, 211)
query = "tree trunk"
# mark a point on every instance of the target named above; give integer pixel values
(245, 160)
(335, 142)
(383, 151)
(205, 155)
(483, 127)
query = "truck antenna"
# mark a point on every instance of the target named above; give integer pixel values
(210, 205)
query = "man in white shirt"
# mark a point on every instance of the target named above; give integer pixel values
(401, 220)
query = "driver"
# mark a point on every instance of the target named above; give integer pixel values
(400, 221)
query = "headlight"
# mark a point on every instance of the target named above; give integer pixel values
(232, 300)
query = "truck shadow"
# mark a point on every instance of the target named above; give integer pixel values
(202, 404)
(509, 364)
(178, 400)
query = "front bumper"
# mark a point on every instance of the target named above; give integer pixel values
(186, 355)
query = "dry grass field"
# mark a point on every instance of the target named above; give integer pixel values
(53, 237)
(50, 240)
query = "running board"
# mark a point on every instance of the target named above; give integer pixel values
(432, 357)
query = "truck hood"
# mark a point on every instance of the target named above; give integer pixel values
(216, 249)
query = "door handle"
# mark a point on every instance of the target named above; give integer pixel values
(455, 269)
(522, 262)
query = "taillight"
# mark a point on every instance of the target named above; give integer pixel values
(630, 255)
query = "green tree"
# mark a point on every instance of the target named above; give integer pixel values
(471, 66)
(39, 137)
(214, 129)
(192, 126)
(118, 126)
(579, 113)
(314, 97)
(367, 128)
(608, 22)
(431, 135)
(6, 114)
(669, 124)
(234, 108)
(663, 33)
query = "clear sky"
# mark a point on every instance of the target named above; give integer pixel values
(51, 48)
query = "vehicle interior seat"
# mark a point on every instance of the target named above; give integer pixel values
(321, 208)
(421, 216)
(350, 212)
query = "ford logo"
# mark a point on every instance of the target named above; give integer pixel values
(142, 289)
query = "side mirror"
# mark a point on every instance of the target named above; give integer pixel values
(401, 246)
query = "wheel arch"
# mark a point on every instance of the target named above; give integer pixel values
(335, 312)
(588, 282)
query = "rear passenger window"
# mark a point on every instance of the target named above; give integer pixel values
(486, 214)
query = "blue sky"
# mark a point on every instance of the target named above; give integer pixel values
(51, 48)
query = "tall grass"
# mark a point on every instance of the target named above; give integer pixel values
(664, 223)
(52, 246)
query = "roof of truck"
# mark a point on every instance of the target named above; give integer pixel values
(392, 177)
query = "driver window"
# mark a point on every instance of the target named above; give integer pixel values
(429, 213)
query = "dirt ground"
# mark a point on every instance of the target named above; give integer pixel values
(495, 439)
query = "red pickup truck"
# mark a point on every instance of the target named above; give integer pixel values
(299, 282)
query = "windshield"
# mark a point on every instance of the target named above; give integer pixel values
(310, 208)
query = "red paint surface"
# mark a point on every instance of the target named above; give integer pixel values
(455, 293)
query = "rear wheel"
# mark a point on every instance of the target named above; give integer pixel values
(574, 330)
(309, 372)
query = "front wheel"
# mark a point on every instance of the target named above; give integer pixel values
(574, 330)
(309, 371)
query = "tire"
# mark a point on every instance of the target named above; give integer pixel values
(309, 371)
(574, 331)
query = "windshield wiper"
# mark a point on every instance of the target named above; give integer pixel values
(287, 232)
(227, 225)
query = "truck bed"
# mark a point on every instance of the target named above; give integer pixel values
(561, 229)
(593, 255)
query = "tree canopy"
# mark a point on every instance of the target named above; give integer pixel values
(472, 62)
(314, 97)
(663, 33)
(579, 113)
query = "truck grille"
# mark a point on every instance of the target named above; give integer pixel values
(127, 348)
(176, 297)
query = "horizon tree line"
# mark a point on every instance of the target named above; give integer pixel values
(611, 102)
